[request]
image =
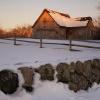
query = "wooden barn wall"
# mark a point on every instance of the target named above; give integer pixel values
(53, 30)
(81, 33)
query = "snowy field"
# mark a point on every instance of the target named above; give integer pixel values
(29, 54)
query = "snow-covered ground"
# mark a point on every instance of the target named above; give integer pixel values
(29, 54)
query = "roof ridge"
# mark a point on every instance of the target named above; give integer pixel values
(84, 18)
(63, 14)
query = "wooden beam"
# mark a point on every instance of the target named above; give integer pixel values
(40, 40)
(70, 44)
(14, 38)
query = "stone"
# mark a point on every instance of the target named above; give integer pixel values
(96, 75)
(96, 63)
(28, 75)
(74, 78)
(96, 71)
(46, 72)
(72, 67)
(9, 81)
(72, 86)
(63, 73)
(87, 70)
(78, 82)
(79, 67)
(28, 88)
(84, 84)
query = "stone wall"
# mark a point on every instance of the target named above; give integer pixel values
(77, 75)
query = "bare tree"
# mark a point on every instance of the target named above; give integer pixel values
(22, 31)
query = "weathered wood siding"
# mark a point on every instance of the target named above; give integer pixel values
(81, 33)
(53, 31)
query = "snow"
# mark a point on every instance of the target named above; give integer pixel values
(95, 43)
(66, 21)
(53, 91)
(29, 54)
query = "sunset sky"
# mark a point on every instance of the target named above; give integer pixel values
(20, 12)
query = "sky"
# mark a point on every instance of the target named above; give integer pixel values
(22, 12)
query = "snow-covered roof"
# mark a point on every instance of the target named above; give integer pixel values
(65, 20)
(96, 23)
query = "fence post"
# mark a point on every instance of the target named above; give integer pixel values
(14, 38)
(70, 44)
(41, 40)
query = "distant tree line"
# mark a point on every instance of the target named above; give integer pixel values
(19, 31)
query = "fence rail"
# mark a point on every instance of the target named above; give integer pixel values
(73, 44)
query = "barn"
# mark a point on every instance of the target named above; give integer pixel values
(55, 25)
